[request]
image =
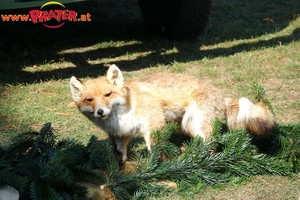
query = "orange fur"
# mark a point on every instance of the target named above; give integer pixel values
(124, 108)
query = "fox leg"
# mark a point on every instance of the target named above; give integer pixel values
(195, 123)
(147, 140)
(121, 144)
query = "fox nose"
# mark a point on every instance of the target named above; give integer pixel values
(100, 112)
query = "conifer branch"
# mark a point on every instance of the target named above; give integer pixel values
(38, 166)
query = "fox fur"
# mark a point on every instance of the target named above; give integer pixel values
(138, 106)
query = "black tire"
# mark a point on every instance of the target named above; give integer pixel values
(176, 19)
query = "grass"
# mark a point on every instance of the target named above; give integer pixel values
(245, 43)
(259, 187)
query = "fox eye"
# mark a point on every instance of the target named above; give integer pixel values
(89, 99)
(107, 94)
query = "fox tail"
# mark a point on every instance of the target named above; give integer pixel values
(256, 118)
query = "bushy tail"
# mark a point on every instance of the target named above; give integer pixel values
(256, 118)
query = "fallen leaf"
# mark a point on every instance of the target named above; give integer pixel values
(63, 113)
(71, 105)
(50, 109)
(268, 20)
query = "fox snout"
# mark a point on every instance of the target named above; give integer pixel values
(89, 111)
(100, 112)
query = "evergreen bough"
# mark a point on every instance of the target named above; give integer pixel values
(229, 157)
(40, 167)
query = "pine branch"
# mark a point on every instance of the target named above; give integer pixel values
(259, 91)
(36, 159)
(259, 95)
(290, 146)
(199, 165)
(41, 168)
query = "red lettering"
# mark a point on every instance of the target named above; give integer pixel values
(14, 17)
(52, 15)
(64, 15)
(72, 15)
(24, 17)
(58, 13)
(34, 15)
(5, 17)
(43, 17)
(88, 16)
(83, 18)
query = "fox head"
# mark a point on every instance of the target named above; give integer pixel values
(99, 97)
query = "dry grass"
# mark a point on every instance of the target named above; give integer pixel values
(259, 187)
(246, 42)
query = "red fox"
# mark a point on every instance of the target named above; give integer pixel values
(138, 106)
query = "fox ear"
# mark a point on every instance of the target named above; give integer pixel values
(76, 88)
(114, 76)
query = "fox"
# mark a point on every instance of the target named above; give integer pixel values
(138, 106)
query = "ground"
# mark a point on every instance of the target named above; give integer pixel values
(245, 43)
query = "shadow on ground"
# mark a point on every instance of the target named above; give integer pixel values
(25, 44)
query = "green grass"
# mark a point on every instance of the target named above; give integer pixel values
(245, 43)
(259, 187)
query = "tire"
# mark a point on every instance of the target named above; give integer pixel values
(176, 19)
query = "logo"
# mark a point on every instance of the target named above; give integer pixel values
(51, 15)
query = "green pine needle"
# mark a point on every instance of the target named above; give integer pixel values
(40, 167)
(259, 95)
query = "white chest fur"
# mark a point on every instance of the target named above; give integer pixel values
(123, 122)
